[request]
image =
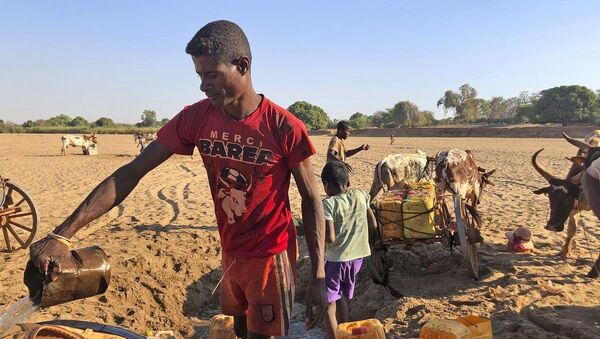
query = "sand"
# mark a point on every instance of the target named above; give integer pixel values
(164, 247)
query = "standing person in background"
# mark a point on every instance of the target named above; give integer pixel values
(250, 147)
(392, 138)
(348, 220)
(336, 151)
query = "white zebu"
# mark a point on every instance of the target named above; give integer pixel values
(396, 170)
(86, 142)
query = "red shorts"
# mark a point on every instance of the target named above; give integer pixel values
(262, 289)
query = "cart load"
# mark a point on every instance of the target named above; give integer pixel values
(407, 213)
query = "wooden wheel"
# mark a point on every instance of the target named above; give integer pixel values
(19, 217)
(444, 220)
(464, 224)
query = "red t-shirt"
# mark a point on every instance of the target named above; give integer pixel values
(248, 163)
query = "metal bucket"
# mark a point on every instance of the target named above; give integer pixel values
(85, 274)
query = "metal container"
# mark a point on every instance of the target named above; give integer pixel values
(85, 273)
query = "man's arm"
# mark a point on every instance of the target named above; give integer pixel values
(314, 232)
(109, 193)
(352, 152)
(313, 219)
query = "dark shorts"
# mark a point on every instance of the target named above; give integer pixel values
(341, 278)
(262, 289)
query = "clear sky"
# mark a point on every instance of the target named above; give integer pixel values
(118, 58)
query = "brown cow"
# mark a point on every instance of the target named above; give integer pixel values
(457, 172)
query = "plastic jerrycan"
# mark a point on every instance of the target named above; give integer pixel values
(417, 211)
(479, 327)
(471, 327)
(362, 329)
(221, 327)
(390, 214)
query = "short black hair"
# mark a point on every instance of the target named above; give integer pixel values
(335, 173)
(343, 125)
(223, 40)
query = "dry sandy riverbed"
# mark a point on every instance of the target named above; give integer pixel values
(164, 247)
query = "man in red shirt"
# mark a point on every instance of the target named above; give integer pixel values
(249, 147)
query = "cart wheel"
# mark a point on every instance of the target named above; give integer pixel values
(445, 221)
(465, 222)
(18, 217)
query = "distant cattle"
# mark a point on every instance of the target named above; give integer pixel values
(141, 139)
(144, 137)
(86, 142)
(396, 170)
(457, 172)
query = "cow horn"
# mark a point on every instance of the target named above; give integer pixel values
(539, 168)
(577, 143)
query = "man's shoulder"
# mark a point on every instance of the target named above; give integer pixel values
(279, 113)
(334, 141)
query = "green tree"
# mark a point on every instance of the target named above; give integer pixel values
(358, 120)
(28, 123)
(525, 113)
(104, 122)
(78, 122)
(499, 108)
(566, 104)
(332, 124)
(404, 113)
(380, 118)
(313, 116)
(424, 118)
(464, 104)
(164, 121)
(59, 120)
(148, 119)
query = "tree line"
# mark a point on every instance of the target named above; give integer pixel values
(63, 123)
(562, 104)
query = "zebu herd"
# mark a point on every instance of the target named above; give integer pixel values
(88, 143)
(455, 171)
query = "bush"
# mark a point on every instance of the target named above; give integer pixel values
(9, 127)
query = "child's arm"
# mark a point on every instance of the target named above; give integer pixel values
(329, 231)
(371, 220)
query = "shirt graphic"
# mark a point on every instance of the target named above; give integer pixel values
(248, 163)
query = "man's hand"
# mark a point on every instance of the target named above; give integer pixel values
(316, 296)
(48, 255)
(364, 147)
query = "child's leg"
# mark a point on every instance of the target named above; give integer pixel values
(331, 321)
(342, 310)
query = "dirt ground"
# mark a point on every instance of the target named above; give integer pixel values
(164, 248)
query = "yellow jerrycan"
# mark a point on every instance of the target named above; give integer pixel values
(362, 329)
